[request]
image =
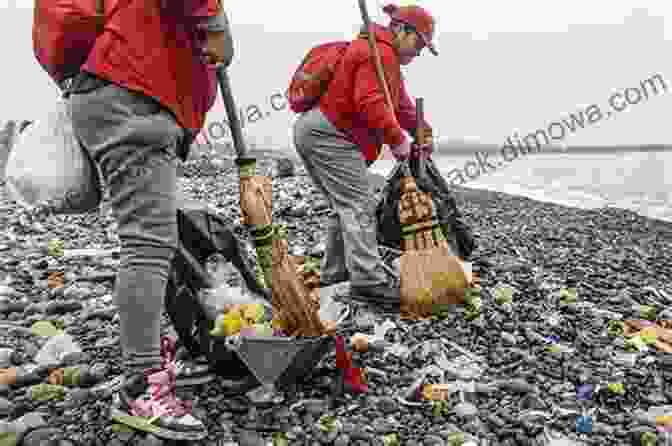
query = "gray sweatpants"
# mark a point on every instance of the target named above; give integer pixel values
(339, 171)
(134, 140)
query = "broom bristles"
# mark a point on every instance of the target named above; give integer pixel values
(430, 278)
(291, 296)
(431, 275)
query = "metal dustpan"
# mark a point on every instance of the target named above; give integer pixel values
(276, 361)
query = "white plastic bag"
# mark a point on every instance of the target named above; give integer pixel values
(48, 168)
(215, 300)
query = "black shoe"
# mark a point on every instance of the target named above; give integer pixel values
(383, 294)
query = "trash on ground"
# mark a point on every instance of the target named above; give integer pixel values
(45, 329)
(47, 392)
(59, 349)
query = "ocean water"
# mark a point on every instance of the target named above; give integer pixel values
(635, 181)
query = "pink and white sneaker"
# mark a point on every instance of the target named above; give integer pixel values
(147, 402)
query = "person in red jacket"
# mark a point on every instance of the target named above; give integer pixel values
(137, 104)
(341, 137)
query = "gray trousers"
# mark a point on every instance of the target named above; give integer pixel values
(133, 140)
(339, 171)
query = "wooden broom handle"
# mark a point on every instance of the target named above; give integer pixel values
(379, 69)
(420, 128)
(376, 55)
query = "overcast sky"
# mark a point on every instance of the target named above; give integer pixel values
(504, 66)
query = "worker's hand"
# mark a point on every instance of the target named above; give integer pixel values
(256, 194)
(402, 151)
(218, 49)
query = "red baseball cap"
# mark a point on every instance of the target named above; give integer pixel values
(416, 17)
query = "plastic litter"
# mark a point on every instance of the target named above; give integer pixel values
(47, 392)
(59, 349)
(585, 392)
(48, 168)
(462, 368)
(503, 295)
(217, 299)
(625, 359)
(584, 424)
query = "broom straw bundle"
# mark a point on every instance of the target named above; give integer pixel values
(291, 300)
(431, 275)
(295, 309)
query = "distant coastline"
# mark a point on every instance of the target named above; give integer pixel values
(446, 148)
(469, 148)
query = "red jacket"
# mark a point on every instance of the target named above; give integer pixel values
(355, 104)
(157, 53)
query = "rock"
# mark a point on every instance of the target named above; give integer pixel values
(8, 292)
(518, 385)
(316, 407)
(284, 168)
(387, 405)
(532, 401)
(41, 436)
(30, 420)
(342, 440)
(466, 410)
(58, 307)
(8, 307)
(433, 440)
(247, 438)
(6, 408)
(509, 339)
(107, 314)
(35, 308)
(76, 293)
(151, 440)
(6, 357)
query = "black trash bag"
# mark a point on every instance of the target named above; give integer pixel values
(203, 234)
(429, 179)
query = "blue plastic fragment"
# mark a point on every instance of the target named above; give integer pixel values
(585, 392)
(584, 424)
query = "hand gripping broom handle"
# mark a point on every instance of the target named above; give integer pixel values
(379, 67)
(234, 121)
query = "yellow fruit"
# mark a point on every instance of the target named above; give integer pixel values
(235, 311)
(253, 312)
(664, 420)
(231, 324)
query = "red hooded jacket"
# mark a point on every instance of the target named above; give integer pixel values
(355, 104)
(153, 47)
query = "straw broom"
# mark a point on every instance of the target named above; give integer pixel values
(294, 309)
(430, 275)
(291, 297)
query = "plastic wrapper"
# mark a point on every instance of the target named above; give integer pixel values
(59, 350)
